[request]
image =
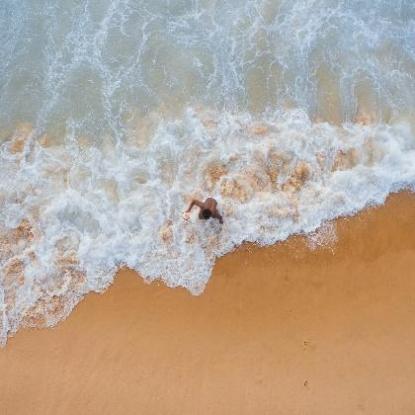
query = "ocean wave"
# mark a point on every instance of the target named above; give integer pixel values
(72, 214)
(114, 114)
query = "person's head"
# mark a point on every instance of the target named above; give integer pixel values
(206, 213)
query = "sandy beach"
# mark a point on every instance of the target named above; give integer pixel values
(279, 330)
(116, 116)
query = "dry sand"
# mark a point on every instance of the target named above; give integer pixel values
(280, 330)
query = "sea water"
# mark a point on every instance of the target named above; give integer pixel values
(115, 113)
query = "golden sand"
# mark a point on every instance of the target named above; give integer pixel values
(279, 330)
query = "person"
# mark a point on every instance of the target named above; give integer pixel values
(208, 209)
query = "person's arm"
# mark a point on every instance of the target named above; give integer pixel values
(194, 202)
(218, 216)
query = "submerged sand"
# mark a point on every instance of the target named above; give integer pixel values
(279, 330)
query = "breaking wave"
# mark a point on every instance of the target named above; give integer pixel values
(115, 114)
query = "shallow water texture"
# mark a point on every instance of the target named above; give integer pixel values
(114, 114)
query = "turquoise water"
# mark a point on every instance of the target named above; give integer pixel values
(114, 114)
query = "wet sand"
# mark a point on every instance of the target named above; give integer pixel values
(279, 330)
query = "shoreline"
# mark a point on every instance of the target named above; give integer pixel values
(279, 329)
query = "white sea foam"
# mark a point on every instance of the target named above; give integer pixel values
(84, 212)
(114, 114)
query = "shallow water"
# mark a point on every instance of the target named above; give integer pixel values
(113, 114)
